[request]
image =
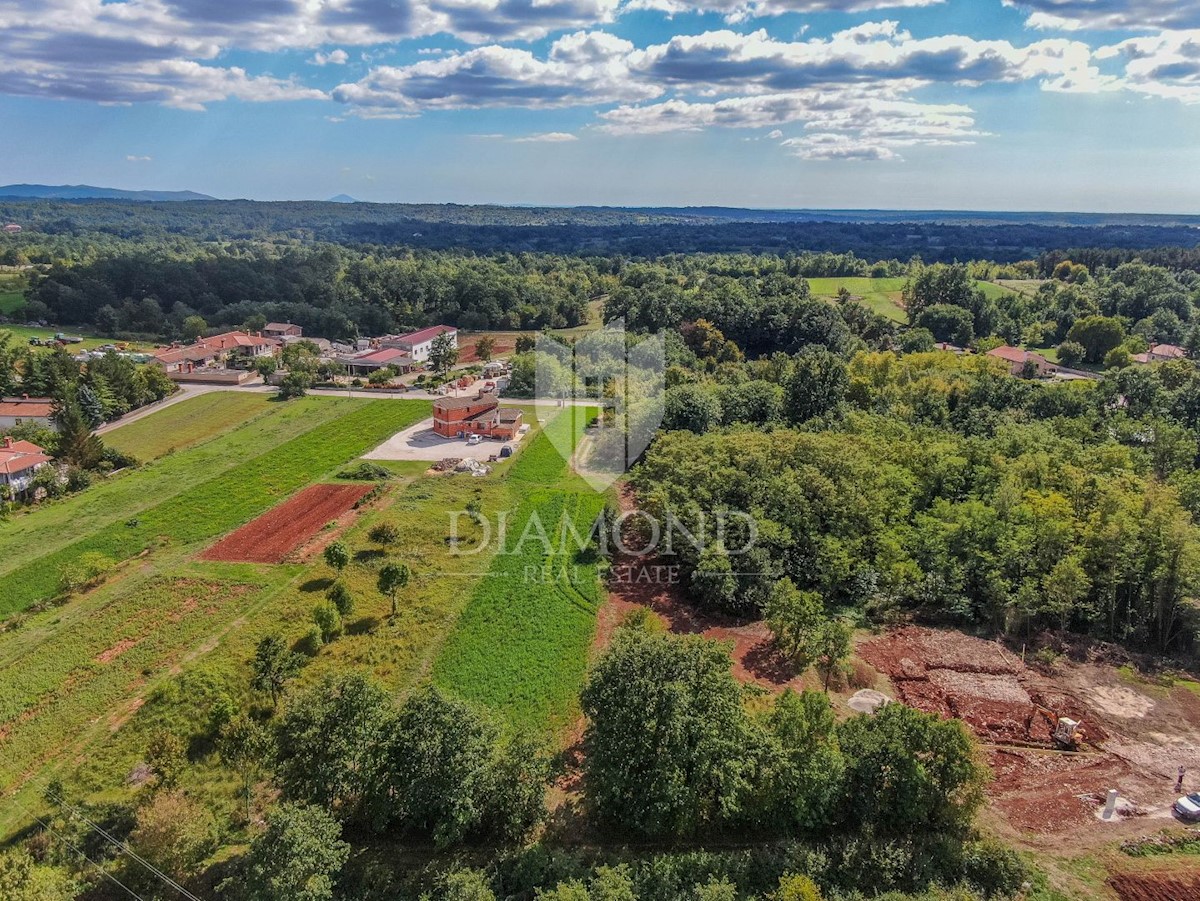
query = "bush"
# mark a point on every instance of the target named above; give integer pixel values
(384, 533)
(339, 595)
(1070, 353)
(366, 472)
(994, 869)
(78, 479)
(327, 618)
(312, 642)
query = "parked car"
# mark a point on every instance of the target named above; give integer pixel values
(1188, 807)
(474, 439)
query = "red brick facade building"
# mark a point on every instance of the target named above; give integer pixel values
(482, 415)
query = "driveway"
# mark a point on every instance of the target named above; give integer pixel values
(420, 442)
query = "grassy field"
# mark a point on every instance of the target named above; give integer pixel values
(882, 295)
(84, 686)
(521, 646)
(12, 293)
(22, 334)
(187, 423)
(213, 507)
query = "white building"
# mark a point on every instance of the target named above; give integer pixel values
(418, 344)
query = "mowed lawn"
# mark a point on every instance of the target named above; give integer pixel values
(187, 423)
(224, 501)
(521, 646)
(881, 295)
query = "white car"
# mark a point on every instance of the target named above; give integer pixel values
(474, 439)
(1188, 806)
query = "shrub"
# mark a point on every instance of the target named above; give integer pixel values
(327, 618)
(384, 533)
(339, 595)
(366, 472)
(312, 642)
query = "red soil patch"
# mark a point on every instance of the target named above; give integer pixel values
(283, 530)
(466, 351)
(653, 583)
(1156, 886)
(116, 650)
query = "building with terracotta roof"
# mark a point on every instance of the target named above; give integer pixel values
(282, 330)
(229, 348)
(418, 344)
(1161, 353)
(19, 461)
(1019, 360)
(378, 358)
(456, 417)
(16, 411)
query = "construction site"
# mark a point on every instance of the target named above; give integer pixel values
(1059, 737)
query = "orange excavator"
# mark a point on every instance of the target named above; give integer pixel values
(1067, 733)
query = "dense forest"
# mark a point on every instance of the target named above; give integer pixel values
(936, 237)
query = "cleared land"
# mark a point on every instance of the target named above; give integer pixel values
(222, 502)
(1164, 886)
(882, 295)
(1138, 733)
(187, 423)
(283, 530)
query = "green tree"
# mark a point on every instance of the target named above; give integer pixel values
(1064, 588)
(817, 384)
(295, 384)
(330, 741)
(485, 346)
(795, 619)
(246, 748)
(339, 595)
(76, 444)
(948, 323)
(298, 857)
(337, 556)
(175, 834)
(24, 879)
(193, 328)
(796, 887)
(801, 782)
(909, 773)
(443, 354)
(668, 744)
(692, 407)
(467, 885)
(273, 666)
(1071, 353)
(392, 578)
(384, 533)
(166, 756)
(1097, 335)
(328, 619)
(831, 648)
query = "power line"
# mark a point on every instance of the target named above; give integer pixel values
(125, 849)
(80, 852)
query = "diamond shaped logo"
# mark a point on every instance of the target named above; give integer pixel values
(609, 375)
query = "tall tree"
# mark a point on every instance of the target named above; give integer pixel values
(298, 857)
(392, 578)
(443, 354)
(273, 666)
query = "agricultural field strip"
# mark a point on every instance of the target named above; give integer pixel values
(541, 462)
(224, 502)
(193, 421)
(60, 688)
(29, 536)
(521, 646)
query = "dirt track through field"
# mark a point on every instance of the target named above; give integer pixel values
(283, 530)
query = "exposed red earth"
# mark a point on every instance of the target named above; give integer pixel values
(283, 530)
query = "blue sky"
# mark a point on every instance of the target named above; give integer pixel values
(956, 104)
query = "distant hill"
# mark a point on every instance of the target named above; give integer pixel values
(343, 198)
(89, 192)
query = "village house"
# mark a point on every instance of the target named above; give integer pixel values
(12, 228)
(16, 411)
(19, 461)
(1018, 359)
(455, 417)
(1161, 353)
(282, 330)
(419, 344)
(224, 350)
(369, 361)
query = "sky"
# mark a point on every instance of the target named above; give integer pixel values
(1074, 105)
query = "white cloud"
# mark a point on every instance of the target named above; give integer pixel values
(131, 158)
(337, 57)
(1167, 65)
(1110, 15)
(740, 10)
(548, 137)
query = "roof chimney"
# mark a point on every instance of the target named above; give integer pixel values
(8, 441)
